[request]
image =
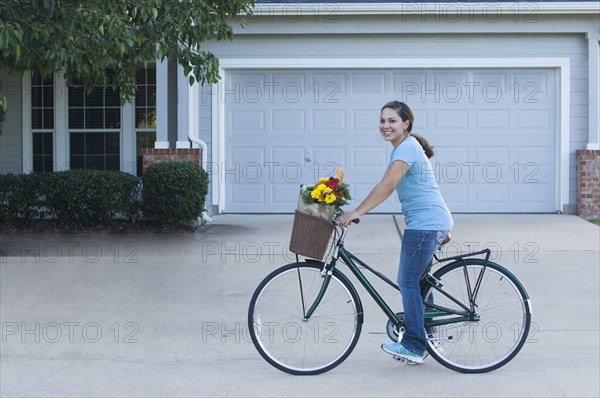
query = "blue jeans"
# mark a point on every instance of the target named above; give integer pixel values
(418, 248)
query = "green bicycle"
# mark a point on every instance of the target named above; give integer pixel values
(305, 318)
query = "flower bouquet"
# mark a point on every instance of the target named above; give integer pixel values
(316, 205)
(325, 197)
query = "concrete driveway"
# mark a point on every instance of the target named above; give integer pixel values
(157, 315)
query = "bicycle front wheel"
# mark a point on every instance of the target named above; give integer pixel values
(501, 325)
(304, 346)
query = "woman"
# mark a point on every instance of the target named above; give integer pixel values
(428, 220)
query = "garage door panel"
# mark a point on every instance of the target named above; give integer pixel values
(482, 81)
(407, 84)
(494, 153)
(288, 122)
(455, 193)
(532, 193)
(423, 116)
(283, 78)
(245, 166)
(534, 119)
(327, 86)
(492, 122)
(494, 193)
(247, 154)
(530, 84)
(448, 87)
(329, 121)
(445, 154)
(247, 121)
(248, 195)
(329, 154)
(374, 157)
(363, 120)
(541, 156)
(283, 194)
(451, 119)
(498, 154)
(286, 154)
(240, 79)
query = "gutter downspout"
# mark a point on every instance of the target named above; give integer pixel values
(192, 95)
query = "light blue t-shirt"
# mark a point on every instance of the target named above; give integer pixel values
(422, 204)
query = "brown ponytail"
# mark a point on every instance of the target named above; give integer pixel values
(425, 144)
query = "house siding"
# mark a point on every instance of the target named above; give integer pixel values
(11, 139)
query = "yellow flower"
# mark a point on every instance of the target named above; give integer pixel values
(322, 193)
(330, 198)
(317, 191)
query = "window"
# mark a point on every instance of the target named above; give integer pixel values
(94, 128)
(145, 112)
(42, 121)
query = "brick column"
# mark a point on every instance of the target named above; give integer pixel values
(154, 155)
(588, 183)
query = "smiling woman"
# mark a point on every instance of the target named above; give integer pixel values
(428, 220)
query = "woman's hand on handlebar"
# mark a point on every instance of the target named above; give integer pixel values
(348, 217)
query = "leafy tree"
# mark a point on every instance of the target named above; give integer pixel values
(84, 37)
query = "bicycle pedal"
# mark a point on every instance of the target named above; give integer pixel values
(406, 361)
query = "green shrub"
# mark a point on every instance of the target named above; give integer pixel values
(174, 192)
(20, 197)
(89, 197)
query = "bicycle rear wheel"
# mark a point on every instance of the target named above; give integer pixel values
(504, 317)
(289, 342)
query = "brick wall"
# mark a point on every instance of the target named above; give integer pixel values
(588, 183)
(153, 155)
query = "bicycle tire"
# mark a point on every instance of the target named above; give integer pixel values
(290, 343)
(504, 311)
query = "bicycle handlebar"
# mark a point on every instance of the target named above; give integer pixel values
(336, 218)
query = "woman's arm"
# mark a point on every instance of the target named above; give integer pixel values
(380, 192)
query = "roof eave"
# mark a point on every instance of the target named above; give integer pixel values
(508, 8)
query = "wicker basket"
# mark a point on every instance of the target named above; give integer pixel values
(310, 235)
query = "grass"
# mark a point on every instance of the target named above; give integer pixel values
(595, 221)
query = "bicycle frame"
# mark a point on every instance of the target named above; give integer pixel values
(432, 310)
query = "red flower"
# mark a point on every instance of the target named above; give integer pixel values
(332, 183)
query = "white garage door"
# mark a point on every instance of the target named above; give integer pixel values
(494, 131)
